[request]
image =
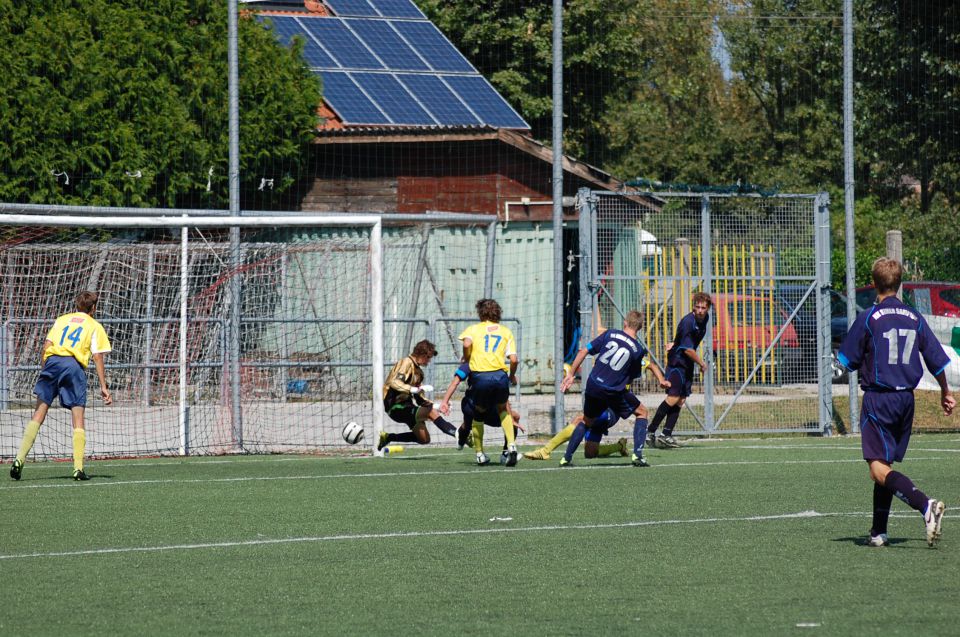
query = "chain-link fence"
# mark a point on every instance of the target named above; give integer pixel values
(765, 263)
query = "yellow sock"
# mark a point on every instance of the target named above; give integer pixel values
(29, 436)
(79, 445)
(478, 436)
(506, 421)
(562, 436)
(608, 450)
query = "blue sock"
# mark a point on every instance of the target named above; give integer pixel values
(658, 417)
(639, 436)
(882, 497)
(575, 439)
(903, 488)
(672, 416)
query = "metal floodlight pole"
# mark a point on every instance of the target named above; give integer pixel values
(558, 416)
(848, 192)
(233, 87)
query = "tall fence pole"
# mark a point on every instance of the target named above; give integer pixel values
(233, 88)
(586, 202)
(558, 416)
(491, 257)
(848, 193)
(821, 212)
(895, 251)
(707, 269)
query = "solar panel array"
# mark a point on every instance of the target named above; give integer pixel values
(383, 63)
(376, 8)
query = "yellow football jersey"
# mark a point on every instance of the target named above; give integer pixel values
(492, 343)
(78, 335)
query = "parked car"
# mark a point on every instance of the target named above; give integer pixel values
(806, 325)
(744, 326)
(928, 297)
(791, 295)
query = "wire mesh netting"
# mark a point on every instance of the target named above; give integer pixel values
(757, 259)
(304, 339)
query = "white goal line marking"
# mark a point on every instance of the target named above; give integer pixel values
(474, 471)
(172, 460)
(205, 460)
(422, 534)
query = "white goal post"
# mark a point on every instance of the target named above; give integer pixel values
(311, 338)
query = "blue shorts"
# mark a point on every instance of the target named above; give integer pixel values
(681, 381)
(601, 426)
(596, 434)
(62, 376)
(596, 400)
(490, 389)
(886, 420)
(490, 418)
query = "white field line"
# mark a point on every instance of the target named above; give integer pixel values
(785, 446)
(477, 471)
(695, 444)
(294, 458)
(818, 447)
(198, 461)
(423, 534)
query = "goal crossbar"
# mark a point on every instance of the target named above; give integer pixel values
(105, 221)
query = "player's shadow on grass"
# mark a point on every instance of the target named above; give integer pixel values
(861, 540)
(92, 476)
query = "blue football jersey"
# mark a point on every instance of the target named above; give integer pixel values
(689, 335)
(887, 342)
(619, 359)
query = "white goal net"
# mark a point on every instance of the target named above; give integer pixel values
(299, 307)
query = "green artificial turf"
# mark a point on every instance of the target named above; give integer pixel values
(735, 537)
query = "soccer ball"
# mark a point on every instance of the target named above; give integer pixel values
(352, 432)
